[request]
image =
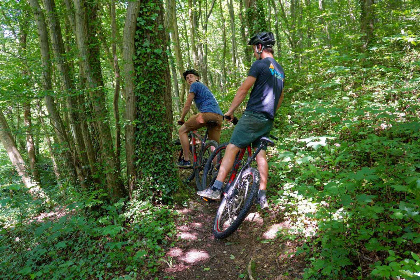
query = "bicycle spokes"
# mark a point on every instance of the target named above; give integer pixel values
(236, 203)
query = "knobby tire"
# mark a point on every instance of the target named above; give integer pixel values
(211, 168)
(199, 168)
(236, 204)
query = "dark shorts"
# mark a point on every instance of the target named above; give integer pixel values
(250, 128)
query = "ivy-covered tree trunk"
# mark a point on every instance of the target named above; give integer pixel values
(154, 166)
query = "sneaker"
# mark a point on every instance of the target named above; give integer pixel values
(263, 202)
(210, 193)
(184, 163)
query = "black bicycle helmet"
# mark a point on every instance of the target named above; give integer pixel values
(190, 71)
(264, 38)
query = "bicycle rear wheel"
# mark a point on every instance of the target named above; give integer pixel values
(199, 168)
(211, 168)
(236, 203)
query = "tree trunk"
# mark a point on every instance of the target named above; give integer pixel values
(30, 146)
(88, 137)
(130, 97)
(117, 86)
(17, 160)
(205, 51)
(232, 29)
(223, 62)
(173, 27)
(193, 31)
(27, 118)
(276, 27)
(49, 144)
(367, 18)
(64, 70)
(154, 127)
(47, 87)
(86, 19)
(321, 7)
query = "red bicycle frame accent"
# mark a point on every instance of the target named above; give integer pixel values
(238, 161)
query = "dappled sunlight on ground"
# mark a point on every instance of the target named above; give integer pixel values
(272, 231)
(197, 254)
(187, 235)
(254, 217)
(194, 255)
(50, 216)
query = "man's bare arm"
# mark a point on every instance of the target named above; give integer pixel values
(187, 105)
(280, 100)
(241, 94)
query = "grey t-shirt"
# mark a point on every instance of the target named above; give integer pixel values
(267, 88)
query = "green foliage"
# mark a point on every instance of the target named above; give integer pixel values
(125, 241)
(349, 165)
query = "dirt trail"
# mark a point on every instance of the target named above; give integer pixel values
(255, 251)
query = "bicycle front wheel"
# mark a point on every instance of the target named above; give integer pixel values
(199, 168)
(236, 204)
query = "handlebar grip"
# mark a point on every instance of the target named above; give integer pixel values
(234, 121)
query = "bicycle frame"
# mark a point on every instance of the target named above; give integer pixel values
(238, 161)
(194, 137)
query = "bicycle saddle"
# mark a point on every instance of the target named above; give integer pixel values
(211, 123)
(268, 141)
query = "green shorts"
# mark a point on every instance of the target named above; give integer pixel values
(250, 128)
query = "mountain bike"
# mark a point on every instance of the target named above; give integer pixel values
(241, 189)
(200, 148)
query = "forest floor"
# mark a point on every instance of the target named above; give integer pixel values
(257, 250)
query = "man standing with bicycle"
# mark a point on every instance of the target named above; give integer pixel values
(266, 77)
(209, 111)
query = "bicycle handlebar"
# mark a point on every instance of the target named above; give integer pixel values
(234, 121)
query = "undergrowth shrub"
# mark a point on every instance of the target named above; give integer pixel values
(124, 241)
(349, 163)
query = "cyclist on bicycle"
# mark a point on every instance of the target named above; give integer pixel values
(209, 111)
(266, 77)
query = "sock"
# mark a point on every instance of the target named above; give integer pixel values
(261, 193)
(217, 185)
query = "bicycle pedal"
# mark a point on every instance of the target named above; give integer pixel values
(185, 167)
(208, 200)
